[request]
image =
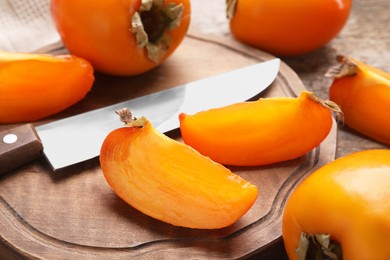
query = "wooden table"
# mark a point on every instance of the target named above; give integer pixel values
(366, 37)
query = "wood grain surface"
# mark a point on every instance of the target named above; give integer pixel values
(30, 229)
(366, 37)
(73, 214)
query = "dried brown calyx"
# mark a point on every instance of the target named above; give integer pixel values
(318, 247)
(346, 67)
(332, 106)
(151, 24)
(230, 8)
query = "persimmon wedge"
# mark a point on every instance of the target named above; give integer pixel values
(363, 93)
(260, 132)
(170, 181)
(34, 86)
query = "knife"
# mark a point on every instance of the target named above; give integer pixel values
(78, 138)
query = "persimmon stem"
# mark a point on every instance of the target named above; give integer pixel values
(332, 106)
(151, 24)
(318, 247)
(346, 67)
(126, 117)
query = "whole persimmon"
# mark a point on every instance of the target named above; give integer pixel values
(285, 27)
(126, 37)
(342, 210)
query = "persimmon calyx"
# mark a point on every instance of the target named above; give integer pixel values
(230, 8)
(126, 117)
(332, 106)
(151, 24)
(346, 67)
(318, 246)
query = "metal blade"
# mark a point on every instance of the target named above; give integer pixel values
(79, 138)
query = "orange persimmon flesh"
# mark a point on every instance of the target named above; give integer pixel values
(34, 86)
(363, 93)
(260, 132)
(170, 181)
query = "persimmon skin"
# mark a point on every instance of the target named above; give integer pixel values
(348, 199)
(365, 99)
(34, 86)
(289, 28)
(170, 181)
(100, 31)
(260, 132)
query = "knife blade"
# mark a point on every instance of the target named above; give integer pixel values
(78, 138)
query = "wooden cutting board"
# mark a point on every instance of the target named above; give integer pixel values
(73, 214)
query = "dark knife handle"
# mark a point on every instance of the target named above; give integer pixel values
(18, 146)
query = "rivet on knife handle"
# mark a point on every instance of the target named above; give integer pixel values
(18, 146)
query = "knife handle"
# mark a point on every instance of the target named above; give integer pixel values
(18, 146)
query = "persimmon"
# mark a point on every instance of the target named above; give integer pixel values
(260, 132)
(170, 181)
(122, 37)
(344, 208)
(285, 27)
(34, 86)
(363, 93)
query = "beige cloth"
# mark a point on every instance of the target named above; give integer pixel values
(26, 26)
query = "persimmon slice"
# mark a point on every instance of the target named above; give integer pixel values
(170, 181)
(260, 132)
(34, 86)
(363, 92)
